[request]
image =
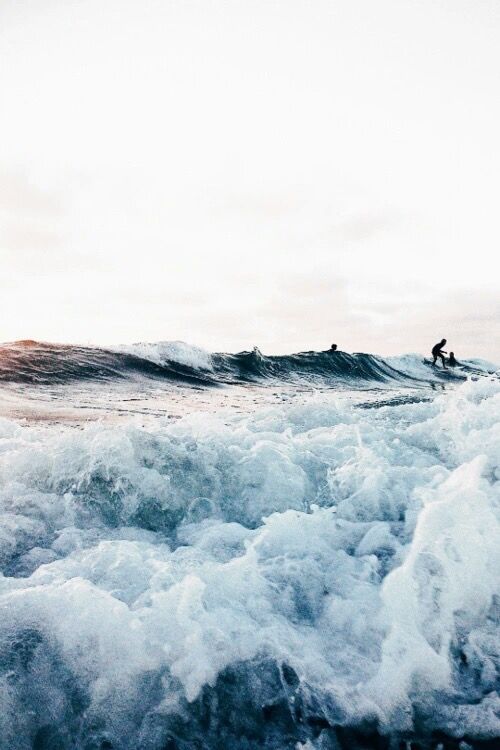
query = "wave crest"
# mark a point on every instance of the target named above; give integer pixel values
(45, 363)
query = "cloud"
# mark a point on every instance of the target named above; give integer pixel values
(20, 195)
(268, 206)
(358, 228)
(34, 234)
(22, 237)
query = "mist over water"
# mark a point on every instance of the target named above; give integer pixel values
(237, 551)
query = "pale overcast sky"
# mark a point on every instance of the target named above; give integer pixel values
(280, 173)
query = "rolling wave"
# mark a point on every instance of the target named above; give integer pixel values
(45, 363)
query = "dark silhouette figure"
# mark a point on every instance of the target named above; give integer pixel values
(333, 348)
(452, 361)
(437, 351)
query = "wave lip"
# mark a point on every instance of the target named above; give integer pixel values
(45, 363)
(163, 352)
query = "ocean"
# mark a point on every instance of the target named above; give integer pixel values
(235, 551)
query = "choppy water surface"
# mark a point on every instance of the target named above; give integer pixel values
(238, 551)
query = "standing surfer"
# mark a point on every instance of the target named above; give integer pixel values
(437, 351)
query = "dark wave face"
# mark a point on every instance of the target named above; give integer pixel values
(334, 366)
(44, 363)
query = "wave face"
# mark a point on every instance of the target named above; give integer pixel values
(45, 364)
(41, 363)
(305, 575)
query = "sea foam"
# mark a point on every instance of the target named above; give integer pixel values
(162, 352)
(253, 580)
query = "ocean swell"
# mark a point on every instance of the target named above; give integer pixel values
(45, 364)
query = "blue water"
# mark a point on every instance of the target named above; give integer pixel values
(41, 363)
(238, 551)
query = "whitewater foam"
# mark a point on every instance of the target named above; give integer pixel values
(232, 580)
(163, 352)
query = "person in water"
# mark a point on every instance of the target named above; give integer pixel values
(452, 361)
(437, 351)
(333, 348)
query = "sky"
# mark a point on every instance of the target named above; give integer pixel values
(236, 173)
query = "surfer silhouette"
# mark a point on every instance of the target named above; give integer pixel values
(333, 348)
(437, 351)
(452, 361)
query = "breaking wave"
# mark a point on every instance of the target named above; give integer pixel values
(312, 576)
(42, 363)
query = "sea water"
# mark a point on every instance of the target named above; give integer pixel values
(237, 551)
